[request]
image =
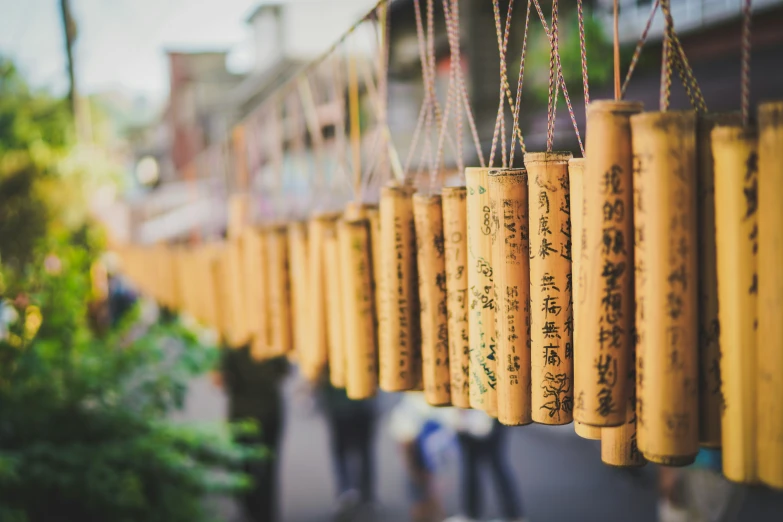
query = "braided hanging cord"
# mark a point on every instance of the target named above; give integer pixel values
(517, 132)
(552, 103)
(583, 52)
(561, 78)
(639, 45)
(435, 179)
(674, 54)
(745, 79)
(505, 90)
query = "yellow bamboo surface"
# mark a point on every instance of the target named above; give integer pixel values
(317, 355)
(374, 216)
(301, 290)
(481, 298)
(256, 299)
(508, 194)
(710, 396)
(735, 150)
(456, 248)
(277, 281)
(237, 330)
(664, 148)
(576, 170)
(436, 378)
(770, 297)
(551, 310)
(604, 310)
(399, 334)
(361, 373)
(619, 444)
(334, 306)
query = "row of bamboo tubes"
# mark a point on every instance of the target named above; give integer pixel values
(571, 290)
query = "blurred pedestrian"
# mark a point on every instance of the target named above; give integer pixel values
(417, 427)
(351, 426)
(482, 442)
(253, 390)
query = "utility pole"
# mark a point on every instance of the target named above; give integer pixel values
(77, 109)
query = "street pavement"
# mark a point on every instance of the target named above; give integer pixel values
(559, 476)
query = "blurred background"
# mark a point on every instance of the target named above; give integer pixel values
(112, 118)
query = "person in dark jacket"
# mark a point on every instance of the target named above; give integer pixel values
(253, 389)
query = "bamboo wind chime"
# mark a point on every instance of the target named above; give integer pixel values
(635, 290)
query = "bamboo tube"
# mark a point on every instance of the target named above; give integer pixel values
(586, 431)
(576, 167)
(604, 311)
(481, 321)
(399, 339)
(770, 297)
(316, 300)
(736, 181)
(334, 306)
(619, 444)
(237, 333)
(210, 297)
(428, 212)
(455, 240)
(511, 270)
(253, 274)
(277, 281)
(373, 214)
(301, 322)
(551, 310)
(361, 375)
(664, 151)
(710, 397)
(216, 264)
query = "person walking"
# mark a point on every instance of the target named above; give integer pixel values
(482, 442)
(253, 389)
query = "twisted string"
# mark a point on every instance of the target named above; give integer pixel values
(452, 29)
(583, 52)
(450, 100)
(552, 104)
(463, 91)
(745, 79)
(504, 87)
(639, 45)
(517, 133)
(672, 44)
(561, 79)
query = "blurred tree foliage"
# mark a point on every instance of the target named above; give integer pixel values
(538, 54)
(83, 429)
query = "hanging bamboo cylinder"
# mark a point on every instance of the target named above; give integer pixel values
(481, 294)
(604, 310)
(735, 150)
(664, 148)
(710, 397)
(256, 297)
(361, 375)
(576, 167)
(374, 216)
(455, 239)
(301, 290)
(770, 296)
(316, 355)
(216, 265)
(399, 333)
(551, 309)
(210, 297)
(508, 195)
(334, 305)
(278, 284)
(436, 378)
(619, 444)
(238, 333)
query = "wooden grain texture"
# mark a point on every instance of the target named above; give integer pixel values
(399, 332)
(735, 150)
(481, 318)
(455, 235)
(710, 398)
(665, 215)
(551, 308)
(279, 294)
(508, 193)
(605, 306)
(436, 378)
(770, 298)
(361, 372)
(334, 306)
(256, 299)
(300, 291)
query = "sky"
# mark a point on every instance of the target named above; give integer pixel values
(121, 43)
